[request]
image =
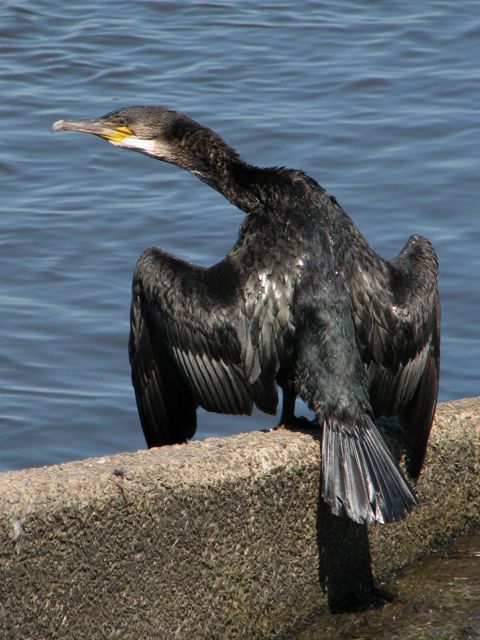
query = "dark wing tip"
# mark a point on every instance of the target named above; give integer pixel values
(166, 407)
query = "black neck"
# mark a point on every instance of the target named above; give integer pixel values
(203, 153)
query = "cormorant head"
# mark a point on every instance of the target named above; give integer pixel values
(171, 137)
(154, 131)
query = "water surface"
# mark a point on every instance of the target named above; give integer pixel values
(377, 101)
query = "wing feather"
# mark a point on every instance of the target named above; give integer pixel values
(397, 323)
(203, 337)
(166, 406)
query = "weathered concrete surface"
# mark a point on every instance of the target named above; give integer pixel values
(211, 540)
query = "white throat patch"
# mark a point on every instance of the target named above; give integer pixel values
(153, 147)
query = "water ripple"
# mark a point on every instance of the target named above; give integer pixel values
(377, 101)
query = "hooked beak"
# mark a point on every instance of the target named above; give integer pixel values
(106, 130)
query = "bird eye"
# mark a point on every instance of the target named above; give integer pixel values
(121, 121)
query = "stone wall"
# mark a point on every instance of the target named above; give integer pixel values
(217, 539)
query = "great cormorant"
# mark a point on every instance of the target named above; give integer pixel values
(301, 300)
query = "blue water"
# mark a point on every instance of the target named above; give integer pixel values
(378, 101)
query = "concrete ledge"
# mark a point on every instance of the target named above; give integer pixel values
(211, 540)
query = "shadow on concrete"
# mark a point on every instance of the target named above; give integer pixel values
(344, 561)
(345, 568)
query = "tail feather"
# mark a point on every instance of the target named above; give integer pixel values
(359, 474)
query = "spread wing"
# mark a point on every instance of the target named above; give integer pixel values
(397, 322)
(196, 339)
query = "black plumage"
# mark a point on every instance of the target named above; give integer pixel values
(301, 300)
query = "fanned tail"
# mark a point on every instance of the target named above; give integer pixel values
(359, 474)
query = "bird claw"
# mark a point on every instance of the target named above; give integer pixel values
(296, 422)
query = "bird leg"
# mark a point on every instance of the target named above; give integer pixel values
(288, 419)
